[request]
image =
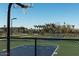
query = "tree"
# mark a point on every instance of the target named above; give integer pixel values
(73, 26)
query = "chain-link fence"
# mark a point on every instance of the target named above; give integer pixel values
(44, 47)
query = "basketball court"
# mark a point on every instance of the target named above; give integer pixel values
(29, 50)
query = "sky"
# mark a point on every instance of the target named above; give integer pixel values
(41, 13)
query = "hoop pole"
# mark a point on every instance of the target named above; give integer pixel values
(8, 29)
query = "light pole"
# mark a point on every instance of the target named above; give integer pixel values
(11, 25)
(8, 24)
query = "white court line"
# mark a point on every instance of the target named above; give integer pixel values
(12, 48)
(16, 47)
(55, 50)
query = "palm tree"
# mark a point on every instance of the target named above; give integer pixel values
(35, 26)
(73, 26)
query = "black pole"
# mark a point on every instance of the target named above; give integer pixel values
(8, 29)
(11, 28)
(35, 47)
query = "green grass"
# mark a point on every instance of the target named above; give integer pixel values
(2, 45)
(46, 35)
(66, 48)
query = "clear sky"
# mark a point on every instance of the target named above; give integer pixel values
(42, 14)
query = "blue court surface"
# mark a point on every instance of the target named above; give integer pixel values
(28, 50)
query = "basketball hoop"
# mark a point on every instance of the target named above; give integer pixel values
(24, 9)
(30, 5)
